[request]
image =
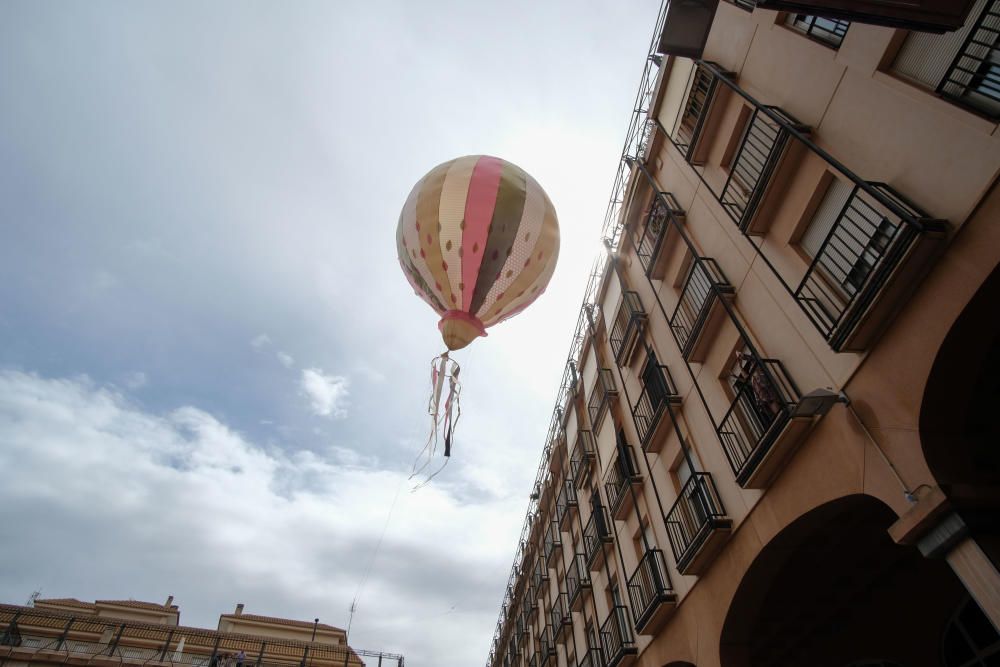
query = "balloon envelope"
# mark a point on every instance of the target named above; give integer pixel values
(478, 239)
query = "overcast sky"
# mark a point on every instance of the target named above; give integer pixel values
(213, 374)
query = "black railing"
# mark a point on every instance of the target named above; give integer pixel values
(577, 577)
(533, 661)
(624, 470)
(540, 574)
(824, 30)
(655, 228)
(695, 113)
(693, 516)
(705, 283)
(597, 532)
(764, 398)
(553, 540)
(600, 396)
(649, 587)
(863, 247)
(760, 149)
(973, 79)
(546, 645)
(566, 500)
(592, 657)
(747, 5)
(560, 614)
(629, 322)
(658, 389)
(581, 462)
(616, 636)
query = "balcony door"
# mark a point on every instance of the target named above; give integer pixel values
(654, 382)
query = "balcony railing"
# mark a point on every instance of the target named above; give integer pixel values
(649, 590)
(698, 309)
(746, 5)
(702, 92)
(533, 661)
(603, 392)
(560, 615)
(973, 79)
(596, 533)
(540, 574)
(553, 540)
(658, 390)
(697, 523)
(592, 657)
(761, 147)
(622, 474)
(566, 502)
(577, 580)
(763, 402)
(546, 647)
(581, 463)
(627, 329)
(824, 30)
(617, 639)
(856, 259)
(651, 239)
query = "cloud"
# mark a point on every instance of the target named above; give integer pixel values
(286, 359)
(259, 341)
(327, 393)
(182, 504)
(136, 380)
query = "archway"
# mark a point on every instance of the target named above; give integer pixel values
(832, 589)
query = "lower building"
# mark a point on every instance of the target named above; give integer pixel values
(103, 633)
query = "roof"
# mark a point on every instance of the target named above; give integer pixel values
(67, 602)
(139, 604)
(282, 621)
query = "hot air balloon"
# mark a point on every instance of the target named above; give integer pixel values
(478, 241)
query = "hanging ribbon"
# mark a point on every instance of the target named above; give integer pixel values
(443, 368)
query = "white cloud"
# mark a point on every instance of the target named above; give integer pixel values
(136, 380)
(183, 504)
(259, 341)
(286, 359)
(327, 393)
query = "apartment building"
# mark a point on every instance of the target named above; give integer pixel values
(774, 443)
(117, 633)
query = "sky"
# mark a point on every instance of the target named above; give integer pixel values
(213, 374)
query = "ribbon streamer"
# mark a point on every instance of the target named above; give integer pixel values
(443, 368)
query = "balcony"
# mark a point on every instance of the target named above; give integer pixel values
(566, 503)
(622, 477)
(973, 79)
(577, 581)
(654, 241)
(617, 639)
(562, 620)
(540, 574)
(630, 320)
(651, 412)
(761, 149)
(827, 31)
(704, 94)
(533, 661)
(553, 543)
(697, 524)
(700, 314)
(761, 429)
(581, 463)
(596, 534)
(650, 593)
(546, 647)
(592, 657)
(601, 395)
(530, 603)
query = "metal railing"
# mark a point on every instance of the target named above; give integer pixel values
(560, 614)
(628, 325)
(539, 574)
(592, 657)
(658, 390)
(597, 532)
(824, 30)
(582, 459)
(603, 391)
(693, 516)
(617, 639)
(764, 398)
(650, 238)
(577, 577)
(624, 470)
(566, 501)
(973, 79)
(705, 282)
(553, 540)
(649, 586)
(747, 5)
(546, 645)
(761, 147)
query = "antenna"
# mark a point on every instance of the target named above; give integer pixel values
(31, 598)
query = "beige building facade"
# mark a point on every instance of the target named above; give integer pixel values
(103, 633)
(776, 440)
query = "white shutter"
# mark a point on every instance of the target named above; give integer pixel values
(926, 57)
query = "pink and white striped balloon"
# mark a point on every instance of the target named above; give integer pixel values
(478, 239)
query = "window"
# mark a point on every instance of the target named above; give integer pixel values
(970, 640)
(826, 31)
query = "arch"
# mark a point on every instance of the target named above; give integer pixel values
(959, 430)
(833, 573)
